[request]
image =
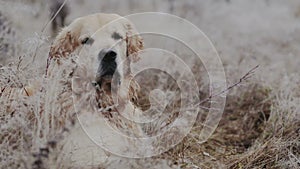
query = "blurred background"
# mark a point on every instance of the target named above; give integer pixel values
(245, 33)
(260, 125)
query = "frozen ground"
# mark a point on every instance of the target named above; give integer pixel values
(260, 125)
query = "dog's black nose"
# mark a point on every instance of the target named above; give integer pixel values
(109, 55)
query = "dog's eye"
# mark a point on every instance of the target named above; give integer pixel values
(133, 99)
(116, 36)
(87, 41)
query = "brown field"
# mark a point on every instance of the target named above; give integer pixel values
(260, 126)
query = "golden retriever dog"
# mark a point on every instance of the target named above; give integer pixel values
(94, 54)
(111, 43)
(87, 62)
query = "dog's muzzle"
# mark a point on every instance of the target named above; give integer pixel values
(107, 68)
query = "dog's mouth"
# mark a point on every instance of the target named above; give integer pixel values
(105, 74)
(105, 81)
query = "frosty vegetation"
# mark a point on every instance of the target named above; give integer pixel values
(260, 127)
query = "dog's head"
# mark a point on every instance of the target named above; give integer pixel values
(109, 38)
(115, 45)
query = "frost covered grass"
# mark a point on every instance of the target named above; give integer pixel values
(260, 127)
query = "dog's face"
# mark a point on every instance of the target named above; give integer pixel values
(112, 42)
(108, 47)
(111, 46)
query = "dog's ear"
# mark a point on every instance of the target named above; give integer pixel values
(64, 44)
(134, 43)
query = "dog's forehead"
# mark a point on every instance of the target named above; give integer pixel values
(115, 30)
(102, 25)
(109, 37)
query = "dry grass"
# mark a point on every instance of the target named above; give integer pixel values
(260, 127)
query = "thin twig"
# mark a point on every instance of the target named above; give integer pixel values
(65, 1)
(241, 80)
(44, 28)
